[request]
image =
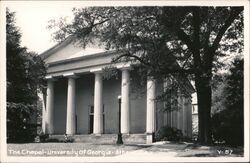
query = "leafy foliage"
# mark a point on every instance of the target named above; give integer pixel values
(219, 90)
(25, 72)
(152, 35)
(109, 72)
(228, 124)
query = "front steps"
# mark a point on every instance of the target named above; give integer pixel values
(103, 139)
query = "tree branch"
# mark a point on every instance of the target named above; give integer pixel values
(127, 54)
(186, 61)
(96, 24)
(210, 52)
(185, 38)
(208, 31)
(177, 70)
(234, 13)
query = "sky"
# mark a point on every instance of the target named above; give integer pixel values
(32, 18)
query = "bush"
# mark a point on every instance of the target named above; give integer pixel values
(19, 127)
(167, 133)
(228, 128)
(43, 137)
(26, 133)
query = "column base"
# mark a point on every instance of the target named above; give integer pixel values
(126, 134)
(70, 133)
(98, 135)
(150, 138)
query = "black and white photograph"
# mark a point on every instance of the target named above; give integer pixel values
(122, 81)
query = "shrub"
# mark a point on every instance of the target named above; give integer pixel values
(43, 137)
(169, 134)
(228, 127)
(19, 127)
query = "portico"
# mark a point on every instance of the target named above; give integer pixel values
(71, 78)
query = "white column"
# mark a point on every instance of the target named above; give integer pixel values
(44, 119)
(44, 113)
(98, 104)
(150, 121)
(71, 110)
(49, 126)
(125, 84)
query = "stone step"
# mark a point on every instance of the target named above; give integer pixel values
(103, 139)
(134, 139)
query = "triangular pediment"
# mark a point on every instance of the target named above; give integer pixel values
(69, 49)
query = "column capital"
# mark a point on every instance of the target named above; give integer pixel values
(50, 78)
(151, 78)
(96, 70)
(124, 66)
(70, 75)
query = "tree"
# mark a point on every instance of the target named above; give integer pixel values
(165, 40)
(25, 72)
(218, 93)
(230, 120)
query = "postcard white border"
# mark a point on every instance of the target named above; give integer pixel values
(3, 154)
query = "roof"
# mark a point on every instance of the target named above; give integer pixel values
(69, 49)
(47, 53)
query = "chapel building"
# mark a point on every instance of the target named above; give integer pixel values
(80, 103)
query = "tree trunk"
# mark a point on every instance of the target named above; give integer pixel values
(204, 92)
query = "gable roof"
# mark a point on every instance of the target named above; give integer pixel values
(44, 55)
(70, 49)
